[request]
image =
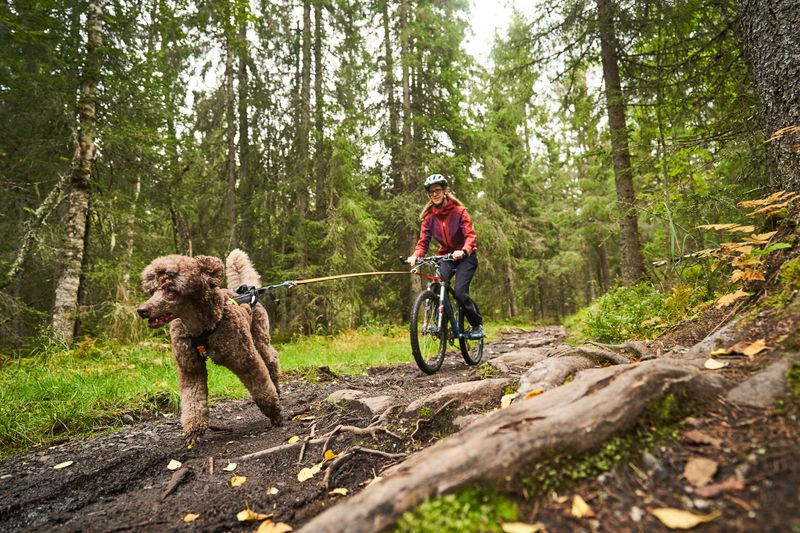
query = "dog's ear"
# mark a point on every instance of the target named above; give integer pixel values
(212, 268)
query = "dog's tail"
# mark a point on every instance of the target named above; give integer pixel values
(240, 271)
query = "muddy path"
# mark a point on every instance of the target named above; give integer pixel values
(121, 481)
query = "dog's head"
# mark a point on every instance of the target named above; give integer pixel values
(174, 282)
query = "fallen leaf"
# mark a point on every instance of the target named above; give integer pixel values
(521, 527)
(717, 226)
(710, 491)
(339, 491)
(699, 437)
(720, 351)
(308, 473)
(294, 439)
(580, 509)
(328, 455)
(699, 471)
(744, 261)
(730, 298)
(755, 348)
(273, 527)
(174, 465)
(715, 364)
(190, 517)
(230, 468)
(305, 417)
(534, 392)
(238, 481)
(248, 515)
(747, 274)
(505, 401)
(65, 464)
(678, 519)
(272, 491)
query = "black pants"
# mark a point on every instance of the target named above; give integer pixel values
(464, 271)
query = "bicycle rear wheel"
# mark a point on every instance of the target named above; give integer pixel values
(428, 339)
(471, 350)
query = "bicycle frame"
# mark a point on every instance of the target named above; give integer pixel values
(445, 305)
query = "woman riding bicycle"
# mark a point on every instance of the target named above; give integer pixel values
(445, 219)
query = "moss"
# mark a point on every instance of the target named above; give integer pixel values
(470, 509)
(559, 471)
(425, 411)
(793, 380)
(790, 274)
(486, 371)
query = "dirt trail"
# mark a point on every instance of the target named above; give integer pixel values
(120, 481)
(116, 481)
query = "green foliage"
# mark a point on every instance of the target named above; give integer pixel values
(621, 314)
(469, 510)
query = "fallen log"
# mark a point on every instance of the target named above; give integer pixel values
(575, 417)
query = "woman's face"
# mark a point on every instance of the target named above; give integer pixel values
(437, 194)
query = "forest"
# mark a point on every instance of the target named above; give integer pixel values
(632, 172)
(588, 150)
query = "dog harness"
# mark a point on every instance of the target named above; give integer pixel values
(200, 342)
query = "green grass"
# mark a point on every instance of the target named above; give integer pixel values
(53, 392)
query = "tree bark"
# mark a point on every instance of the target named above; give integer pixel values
(230, 132)
(631, 250)
(772, 40)
(320, 174)
(66, 292)
(573, 418)
(393, 139)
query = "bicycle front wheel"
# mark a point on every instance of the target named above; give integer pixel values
(471, 350)
(428, 333)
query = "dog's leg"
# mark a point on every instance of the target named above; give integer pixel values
(260, 332)
(254, 374)
(193, 381)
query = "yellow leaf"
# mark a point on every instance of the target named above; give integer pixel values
(730, 298)
(505, 401)
(294, 439)
(238, 481)
(249, 515)
(656, 320)
(580, 509)
(714, 364)
(339, 491)
(304, 417)
(753, 275)
(737, 275)
(328, 455)
(230, 467)
(274, 527)
(308, 473)
(720, 351)
(272, 491)
(755, 348)
(65, 464)
(717, 226)
(174, 465)
(521, 527)
(190, 517)
(741, 229)
(678, 519)
(744, 261)
(534, 392)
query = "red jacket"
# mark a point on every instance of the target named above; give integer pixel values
(451, 226)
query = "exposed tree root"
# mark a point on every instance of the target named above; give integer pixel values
(550, 373)
(439, 410)
(177, 478)
(346, 456)
(576, 417)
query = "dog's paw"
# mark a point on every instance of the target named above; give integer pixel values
(192, 438)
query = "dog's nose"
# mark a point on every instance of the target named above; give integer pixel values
(142, 312)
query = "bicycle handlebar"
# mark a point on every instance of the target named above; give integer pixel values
(431, 259)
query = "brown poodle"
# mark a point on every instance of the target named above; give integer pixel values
(205, 321)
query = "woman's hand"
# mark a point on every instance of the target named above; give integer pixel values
(412, 260)
(458, 255)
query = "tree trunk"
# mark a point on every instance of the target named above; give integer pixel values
(770, 32)
(632, 260)
(230, 135)
(511, 290)
(572, 418)
(393, 140)
(405, 58)
(320, 175)
(66, 292)
(246, 174)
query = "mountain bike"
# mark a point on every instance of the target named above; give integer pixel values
(434, 325)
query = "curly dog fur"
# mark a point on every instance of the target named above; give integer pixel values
(185, 291)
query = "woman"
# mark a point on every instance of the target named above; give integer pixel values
(445, 219)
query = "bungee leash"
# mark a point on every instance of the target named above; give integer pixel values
(250, 294)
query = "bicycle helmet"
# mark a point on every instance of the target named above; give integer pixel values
(435, 179)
